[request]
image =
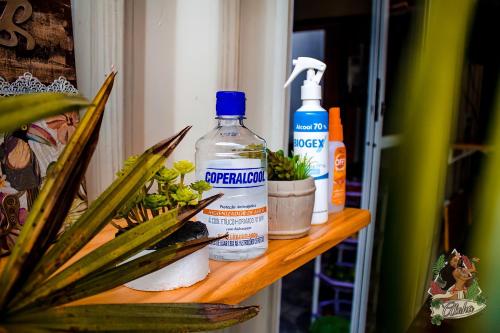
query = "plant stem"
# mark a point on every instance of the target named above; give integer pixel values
(134, 215)
(129, 221)
(148, 187)
(143, 211)
(117, 226)
(166, 193)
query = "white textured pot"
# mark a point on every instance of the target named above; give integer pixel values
(182, 273)
(290, 205)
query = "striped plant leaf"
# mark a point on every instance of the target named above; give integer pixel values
(110, 253)
(113, 252)
(177, 317)
(126, 272)
(35, 107)
(21, 328)
(78, 207)
(101, 212)
(50, 209)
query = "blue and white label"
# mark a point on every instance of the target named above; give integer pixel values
(310, 138)
(312, 121)
(242, 211)
(317, 144)
(235, 178)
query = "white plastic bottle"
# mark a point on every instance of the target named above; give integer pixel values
(337, 155)
(310, 131)
(233, 160)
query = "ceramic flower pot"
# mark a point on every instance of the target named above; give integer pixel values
(290, 206)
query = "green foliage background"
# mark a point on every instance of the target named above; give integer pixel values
(427, 96)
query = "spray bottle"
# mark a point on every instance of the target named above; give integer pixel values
(310, 131)
(337, 162)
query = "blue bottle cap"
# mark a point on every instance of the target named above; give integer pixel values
(230, 103)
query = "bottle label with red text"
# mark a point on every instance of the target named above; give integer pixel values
(339, 176)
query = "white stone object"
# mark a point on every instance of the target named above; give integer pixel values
(182, 273)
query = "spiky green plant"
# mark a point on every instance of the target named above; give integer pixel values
(33, 282)
(302, 167)
(281, 167)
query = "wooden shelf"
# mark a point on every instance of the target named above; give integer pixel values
(233, 282)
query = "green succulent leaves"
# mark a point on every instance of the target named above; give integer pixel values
(166, 176)
(127, 165)
(155, 201)
(185, 196)
(201, 186)
(281, 167)
(184, 167)
(170, 194)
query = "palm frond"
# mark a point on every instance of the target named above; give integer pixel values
(127, 272)
(53, 202)
(101, 212)
(176, 317)
(35, 107)
(113, 252)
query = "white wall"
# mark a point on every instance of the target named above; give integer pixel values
(264, 52)
(98, 32)
(176, 71)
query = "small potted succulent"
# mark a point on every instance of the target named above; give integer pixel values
(170, 192)
(290, 195)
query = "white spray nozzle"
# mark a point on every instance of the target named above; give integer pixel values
(315, 70)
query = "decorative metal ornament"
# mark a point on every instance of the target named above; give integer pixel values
(28, 84)
(16, 12)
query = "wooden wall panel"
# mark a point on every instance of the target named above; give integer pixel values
(44, 45)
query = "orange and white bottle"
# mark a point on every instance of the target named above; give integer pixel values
(337, 162)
